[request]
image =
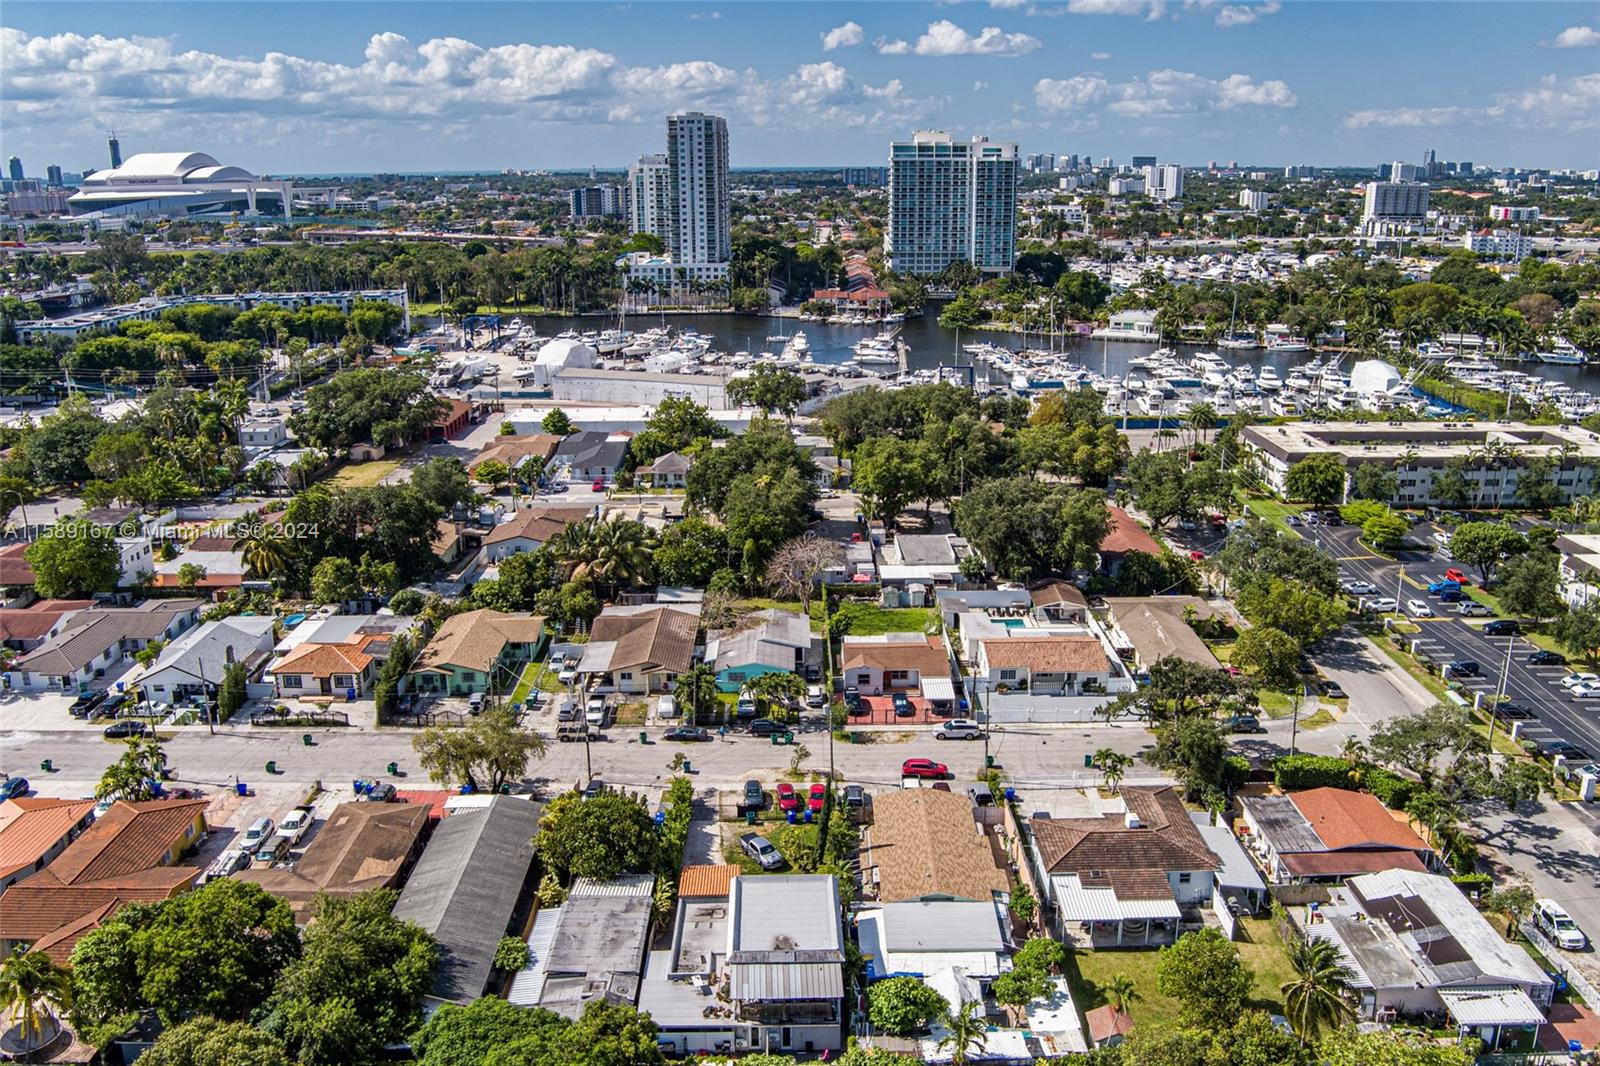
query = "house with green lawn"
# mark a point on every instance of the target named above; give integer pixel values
(766, 642)
(478, 651)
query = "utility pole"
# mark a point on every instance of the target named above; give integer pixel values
(1500, 693)
(1294, 719)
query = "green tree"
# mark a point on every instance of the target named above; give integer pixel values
(214, 951)
(358, 984)
(487, 753)
(1306, 613)
(232, 695)
(1348, 1047)
(1204, 973)
(1385, 531)
(600, 838)
(206, 1041)
(1485, 545)
(689, 552)
(1530, 586)
(335, 580)
(444, 483)
(133, 777)
(1269, 654)
(556, 422)
(605, 1034)
(965, 1032)
(1316, 479)
(465, 1036)
(696, 690)
(1579, 629)
(903, 1005)
(1120, 992)
(74, 555)
(1416, 741)
(1374, 481)
(773, 390)
(1113, 766)
(1318, 997)
(1515, 902)
(492, 472)
(889, 473)
(1026, 529)
(34, 992)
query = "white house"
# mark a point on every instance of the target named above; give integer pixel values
(195, 663)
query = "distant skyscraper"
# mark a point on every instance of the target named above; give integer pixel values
(1139, 161)
(1399, 171)
(1393, 202)
(594, 201)
(864, 175)
(116, 151)
(951, 200)
(52, 175)
(1464, 168)
(1164, 182)
(700, 209)
(648, 193)
(1254, 199)
(14, 167)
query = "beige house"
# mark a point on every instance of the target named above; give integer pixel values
(477, 652)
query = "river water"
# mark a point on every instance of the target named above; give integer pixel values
(931, 345)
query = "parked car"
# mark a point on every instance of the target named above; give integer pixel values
(1419, 609)
(12, 787)
(788, 799)
(766, 727)
(980, 795)
(227, 864)
(382, 792)
(595, 712)
(902, 705)
(568, 710)
(295, 824)
(958, 729)
(754, 797)
(817, 797)
(567, 732)
(667, 707)
(1501, 627)
(1457, 576)
(124, 729)
(1514, 712)
(1197, 555)
(852, 700)
(1552, 919)
(258, 833)
(1380, 604)
(81, 706)
(761, 850)
(1473, 609)
(1452, 596)
(1461, 668)
(1436, 587)
(1584, 690)
(746, 707)
(108, 709)
(568, 671)
(1331, 689)
(274, 849)
(815, 697)
(1244, 723)
(1570, 752)
(687, 733)
(855, 797)
(923, 768)
(1360, 588)
(475, 703)
(1579, 678)
(1546, 658)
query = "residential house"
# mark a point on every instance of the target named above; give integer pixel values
(335, 656)
(1108, 1026)
(767, 641)
(1238, 880)
(16, 576)
(926, 844)
(1124, 537)
(1127, 876)
(998, 603)
(590, 948)
(193, 664)
(591, 455)
(924, 560)
(129, 855)
(832, 472)
(1579, 572)
(1415, 944)
(361, 846)
(221, 566)
(671, 471)
(263, 433)
(1330, 834)
(34, 830)
(641, 649)
(925, 938)
(467, 887)
(1048, 665)
(516, 449)
(1147, 629)
(23, 629)
(899, 662)
(530, 529)
(477, 651)
(92, 648)
(448, 541)
(1058, 601)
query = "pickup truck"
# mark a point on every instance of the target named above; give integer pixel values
(295, 824)
(761, 850)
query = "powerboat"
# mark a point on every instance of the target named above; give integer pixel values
(1268, 381)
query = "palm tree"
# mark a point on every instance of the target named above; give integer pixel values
(1319, 996)
(696, 689)
(1120, 992)
(234, 400)
(1114, 765)
(264, 551)
(1202, 418)
(34, 991)
(965, 1033)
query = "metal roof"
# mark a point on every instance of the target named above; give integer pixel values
(783, 981)
(1491, 1006)
(784, 913)
(1078, 904)
(1237, 870)
(630, 885)
(528, 984)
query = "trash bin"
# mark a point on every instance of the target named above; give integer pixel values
(988, 762)
(47, 767)
(749, 817)
(241, 788)
(305, 738)
(644, 738)
(808, 815)
(1088, 760)
(687, 768)
(1011, 794)
(467, 790)
(777, 739)
(788, 738)
(272, 767)
(788, 816)
(393, 769)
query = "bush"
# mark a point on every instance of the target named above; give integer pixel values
(1235, 771)
(903, 1005)
(1392, 790)
(1357, 512)
(1295, 772)
(1473, 884)
(511, 954)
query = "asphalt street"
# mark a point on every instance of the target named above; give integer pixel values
(1448, 636)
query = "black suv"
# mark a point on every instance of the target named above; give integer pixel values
(1461, 668)
(1501, 627)
(83, 705)
(1547, 658)
(766, 727)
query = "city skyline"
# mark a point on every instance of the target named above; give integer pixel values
(559, 86)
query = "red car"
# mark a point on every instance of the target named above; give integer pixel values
(1197, 555)
(819, 792)
(1455, 575)
(923, 768)
(599, 485)
(787, 800)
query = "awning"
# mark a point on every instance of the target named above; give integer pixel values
(938, 688)
(1491, 1006)
(1078, 904)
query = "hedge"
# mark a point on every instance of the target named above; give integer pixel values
(1235, 771)
(1473, 884)
(1295, 772)
(1392, 790)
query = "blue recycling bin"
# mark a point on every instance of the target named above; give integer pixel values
(1011, 794)
(241, 788)
(467, 790)
(808, 815)
(789, 817)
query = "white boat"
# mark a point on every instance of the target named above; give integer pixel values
(1020, 382)
(797, 346)
(1237, 342)
(1268, 381)
(871, 357)
(1287, 344)
(1283, 405)
(1572, 358)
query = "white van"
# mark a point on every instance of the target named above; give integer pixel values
(1552, 919)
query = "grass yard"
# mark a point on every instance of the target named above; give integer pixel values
(1272, 510)
(873, 621)
(527, 682)
(1320, 718)
(1261, 951)
(364, 475)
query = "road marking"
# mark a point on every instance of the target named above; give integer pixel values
(1354, 558)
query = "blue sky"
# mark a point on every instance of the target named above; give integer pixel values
(306, 87)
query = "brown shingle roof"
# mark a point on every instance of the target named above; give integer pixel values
(14, 569)
(1350, 863)
(474, 640)
(1166, 838)
(1053, 655)
(706, 882)
(1106, 1022)
(923, 654)
(1346, 819)
(541, 524)
(1124, 535)
(1053, 592)
(360, 846)
(925, 843)
(661, 638)
(516, 450)
(89, 634)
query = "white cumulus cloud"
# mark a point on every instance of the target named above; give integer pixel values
(1100, 56)
(1550, 103)
(1161, 94)
(945, 38)
(1578, 37)
(845, 36)
(1145, 9)
(1070, 94)
(1245, 14)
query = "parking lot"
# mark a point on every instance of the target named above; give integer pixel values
(1447, 636)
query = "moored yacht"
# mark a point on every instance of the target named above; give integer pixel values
(1267, 380)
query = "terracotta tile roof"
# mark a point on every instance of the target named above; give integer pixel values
(31, 827)
(14, 569)
(541, 524)
(515, 450)
(1051, 655)
(35, 620)
(453, 411)
(926, 843)
(1124, 535)
(324, 660)
(1107, 1022)
(923, 654)
(1350, 863)
(474, 640)
(1166, 838)
(706, 882)
(1346, 819)
(129, 837)
(360, 846)
(661, 638)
